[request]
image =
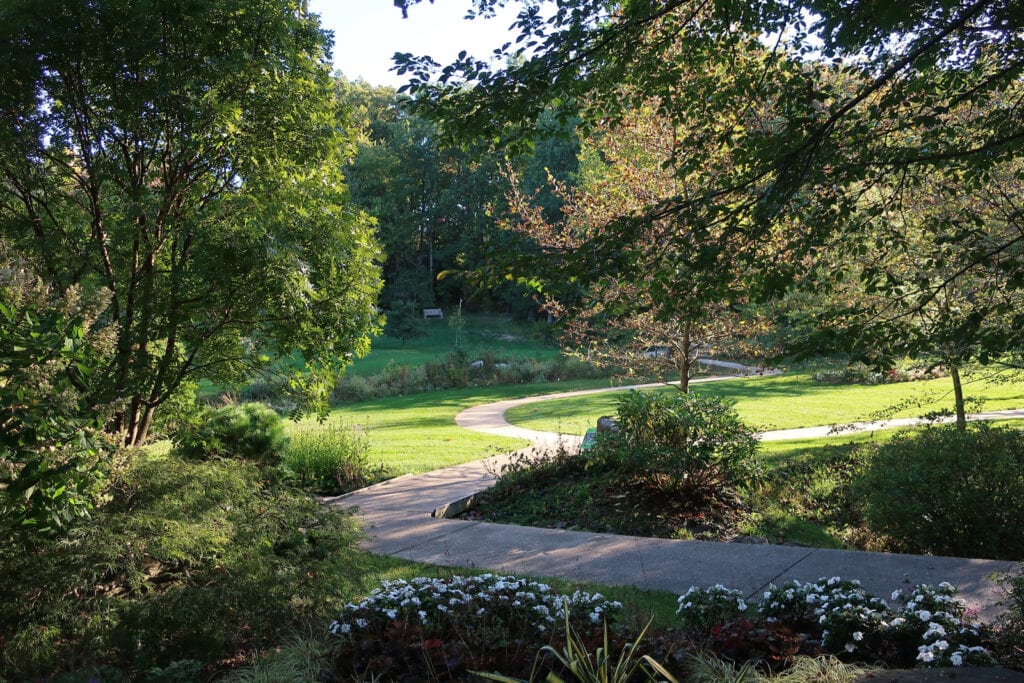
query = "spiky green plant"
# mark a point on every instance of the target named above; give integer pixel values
(603, 665)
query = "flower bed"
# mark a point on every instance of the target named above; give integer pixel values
(498, 623)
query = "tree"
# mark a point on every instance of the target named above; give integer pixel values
(185, 159)
(435, 205)
(931, 280)
(811, 128)
(663, 317)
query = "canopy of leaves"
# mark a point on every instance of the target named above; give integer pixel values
(825, 117)
(185, 159)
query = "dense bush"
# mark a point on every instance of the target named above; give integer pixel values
(190, 560)
(1010, 635)
(690, 444)
(948, 492)
(929, 627)
(441, 629)
(329, 459)
(249, 431)
(53, 455)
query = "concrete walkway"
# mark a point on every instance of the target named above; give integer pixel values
(406, 517)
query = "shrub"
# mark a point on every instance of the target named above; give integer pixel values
(949, 492)
(683, 443)
(458, 370)
(53, 455)
(190, 560)
(858, 373)
(249, 431)
(453, 372)
(702, 608)
(1010, 634)
(929, 629)
(329, 459)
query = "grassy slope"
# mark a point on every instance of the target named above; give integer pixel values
(785, 402)
(482, 334)
(418, 433)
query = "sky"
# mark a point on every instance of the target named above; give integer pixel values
(368, 32)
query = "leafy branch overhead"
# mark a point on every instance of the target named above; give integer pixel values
(801, 128)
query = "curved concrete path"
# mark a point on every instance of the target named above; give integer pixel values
(406, 517)
(490, 418)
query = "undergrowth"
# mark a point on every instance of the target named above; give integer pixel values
(190, 561)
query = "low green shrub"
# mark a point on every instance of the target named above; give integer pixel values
(189, 560)
(858, 373)
(249, 431)
(690, 444)
(701, 608)
(454, 371)
(930, 627)
(329, 459)
(946, 491)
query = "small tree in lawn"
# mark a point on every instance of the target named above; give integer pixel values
(940, 287)
(655, 320)
(405, 321)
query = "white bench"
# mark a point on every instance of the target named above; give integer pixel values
(432, 313)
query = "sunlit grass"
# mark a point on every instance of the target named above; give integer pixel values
(413, 434)
(482, 334)
(790, 401)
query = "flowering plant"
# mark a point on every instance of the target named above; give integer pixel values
(932, 618)
(931, 628)
(702, 608)
(486, 609)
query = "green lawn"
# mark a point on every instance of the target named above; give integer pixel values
(787, 401)
(413, 434)
(482, 334)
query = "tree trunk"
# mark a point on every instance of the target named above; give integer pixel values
(958, 398)
(686, 363)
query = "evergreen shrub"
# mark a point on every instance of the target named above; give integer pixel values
(248, 431)
(946, 491)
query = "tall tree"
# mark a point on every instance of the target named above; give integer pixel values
(816, 103)
(185, 159)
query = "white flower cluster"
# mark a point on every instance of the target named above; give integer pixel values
(704, 607)
(850, 620)
(847, 617)
(521, 608)
(937, 617)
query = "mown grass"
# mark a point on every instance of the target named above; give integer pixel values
(482, 334)
(414, 434)
(789, 401)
